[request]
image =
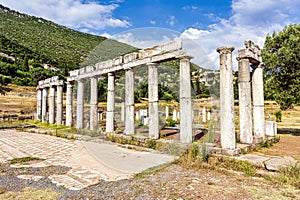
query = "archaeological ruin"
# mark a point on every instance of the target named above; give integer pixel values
(253, 127)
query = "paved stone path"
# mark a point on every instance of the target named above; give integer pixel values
(89, 162)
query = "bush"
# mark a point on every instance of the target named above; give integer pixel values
(278, 116)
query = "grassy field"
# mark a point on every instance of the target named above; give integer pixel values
(22, 100)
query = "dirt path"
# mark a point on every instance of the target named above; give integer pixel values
(289, 145)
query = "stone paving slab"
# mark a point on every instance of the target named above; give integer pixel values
(256, 160)
(271, 163)
(276, 163)
(89, 162)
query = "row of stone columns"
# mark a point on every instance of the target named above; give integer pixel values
(251, 113)
(46, 111)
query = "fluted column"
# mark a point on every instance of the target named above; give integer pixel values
(228, 138)
(245, 107)
(258, 103)
(44, 104)
(185, 101)
(69, 104)
(80, 105)
(59, 104)
(39, 104)
(110, 103)
(94, 104)
(153, 100)
(129, 102)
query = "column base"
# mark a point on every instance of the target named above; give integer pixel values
(257, 140)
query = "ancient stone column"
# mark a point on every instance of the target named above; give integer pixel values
(185, 101)
(258, 104)
(174, 115)
(129, 102)
(122, 111)
(69, 104)
(52, 105)
(204, 114)
(227, 129)
(245, 108)
(80, 105)
(94, 104)
(110, 103)
(39, 105)
(44, 104)
(153, 100)
(167, 112)
(59, 104)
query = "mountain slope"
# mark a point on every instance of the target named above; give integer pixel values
(43, 41)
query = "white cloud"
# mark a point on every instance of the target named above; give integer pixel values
(171, 20)
(153, 22)
(71, 13)
(193, 8)
(251, 20)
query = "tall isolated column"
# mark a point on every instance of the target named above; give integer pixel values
(228, 138)
(129, 102)
(69, 104)
(245, 107)
(80, 105)
(94, 104)
(258, 104)
(110, 103)
(185, 101)
(153, 100)
(39, 104)
(52, 105)
(44, 104)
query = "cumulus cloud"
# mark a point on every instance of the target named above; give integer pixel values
(71, 13)
(251, 20)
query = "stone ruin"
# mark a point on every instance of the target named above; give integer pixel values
(251, 105)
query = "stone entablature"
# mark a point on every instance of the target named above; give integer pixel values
(252, 52)
(53, 81)
(155, 54)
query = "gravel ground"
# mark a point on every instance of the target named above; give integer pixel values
(169, 182)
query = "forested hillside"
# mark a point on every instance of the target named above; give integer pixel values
(37, 42)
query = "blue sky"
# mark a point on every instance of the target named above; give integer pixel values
(208, 23)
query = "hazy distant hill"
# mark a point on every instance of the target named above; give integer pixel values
(43, 41)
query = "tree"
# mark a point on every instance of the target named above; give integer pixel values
(25, 66)
(282, 66)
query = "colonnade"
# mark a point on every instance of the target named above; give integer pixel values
(251, 99)
(47, 110)
(151, 58)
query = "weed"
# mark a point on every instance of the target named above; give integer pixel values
(289, 175)
(247, 168)
(278, 116)
(23, 160)
(173, 148)
(151, 144)
(236, 165)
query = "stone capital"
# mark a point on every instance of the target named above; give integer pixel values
(225, 49)
(239, 58)
(185, 57)
(151, 64)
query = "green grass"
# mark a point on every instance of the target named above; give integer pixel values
(289, 175)
(23, 160)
